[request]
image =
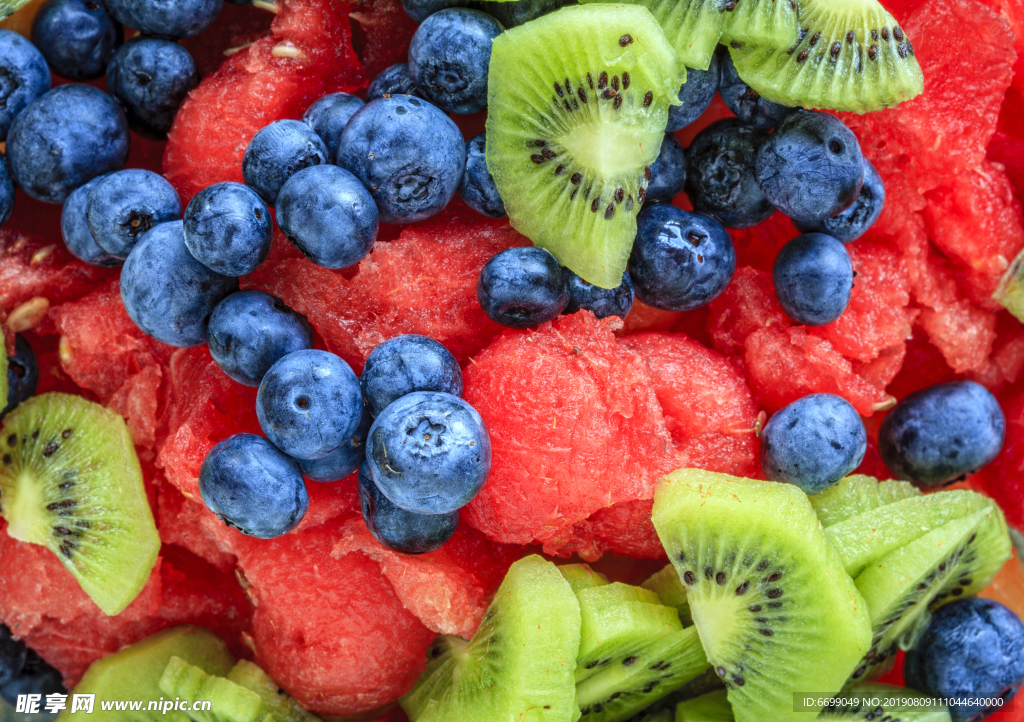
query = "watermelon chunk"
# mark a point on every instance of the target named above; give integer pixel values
(747, 304)
(622, 529)
(708, 406)
(1003, 479)
(381, 31)
(331, 632)
(945, 130)
(575, 427)
(307, 55)
(424, 282)
(758, 245)
(974, 218)
(448, 589)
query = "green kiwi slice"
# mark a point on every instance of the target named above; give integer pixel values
(70, 481)
(1010, 292)
(871, 535)
(850, 55)
(669, 588)
(867, 702)
(857, 494)
(618, 621)
(134, 673)
(768, 594)
(276, 701)
(956, 559)
(581, 576)
(632, 683)
(520, 663)
(577, 104)
(229, 702)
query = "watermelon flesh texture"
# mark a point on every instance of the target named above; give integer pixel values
(307, 55)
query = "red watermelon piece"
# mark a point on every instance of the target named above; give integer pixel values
(758, 246)
(785, 364)
(642, 318)
(424, 282)
(1007, 359)
(308, 55)
(448, 589)
(878, 319)
(924, 366)
(205, 407)
(381, 31)
(1003, 479)
(235, 27)
(102, 350)
(332, 632)
(190, 525)
(575, 427)
(945, 130)
(747, 304)
(708, 406)
(623, 529)
(975, 220)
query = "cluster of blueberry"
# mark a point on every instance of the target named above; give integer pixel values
(59, 139)
(421, 451)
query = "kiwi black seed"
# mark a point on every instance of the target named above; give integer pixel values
(70, 481)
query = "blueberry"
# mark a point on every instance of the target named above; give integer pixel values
(279, 151)
(345, 459)
(36, 677)
(77, 37)
(680, 261)
(22, 374)
(12, 655)
(722, 182)
(813, 443)
(253, 486)
(449, 56)
(972, 651)
(228, 228)
(6, 191)
(405, 364)
(407, 153)
(126, 204)
(429, 452)
(178, 19)
(668, 172)
(744, 101)
(24, 76)
(602, 302)
(477, 188)
(942, 433)
(151, 77)
(64, 138)
(522, 287)
(329, 116)
(696, 94)
(811, 167)
(75, 228)
(250, 331)
(813, 277)
(851, 224)
(166, 292)
(398, 529)
(309, 403)
(393, 80)
(328, 215)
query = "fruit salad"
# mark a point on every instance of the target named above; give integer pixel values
(511, 360)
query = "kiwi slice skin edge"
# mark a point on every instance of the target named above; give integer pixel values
(776, 611)
(70, 480)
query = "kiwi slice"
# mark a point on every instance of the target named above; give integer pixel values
(134, 673)
(867, 702)
(659, 716)
(669, 588)
(70, 481)
(577, 105)
(634, 682)
(618, 621)
(867, 537)
(857, 494)
(276, 701)
(228, 702)
(1010, 292)
(850, 55)
(762, 22)
(768, 594)
(957, 559)
(581, 576)
(520, 663)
